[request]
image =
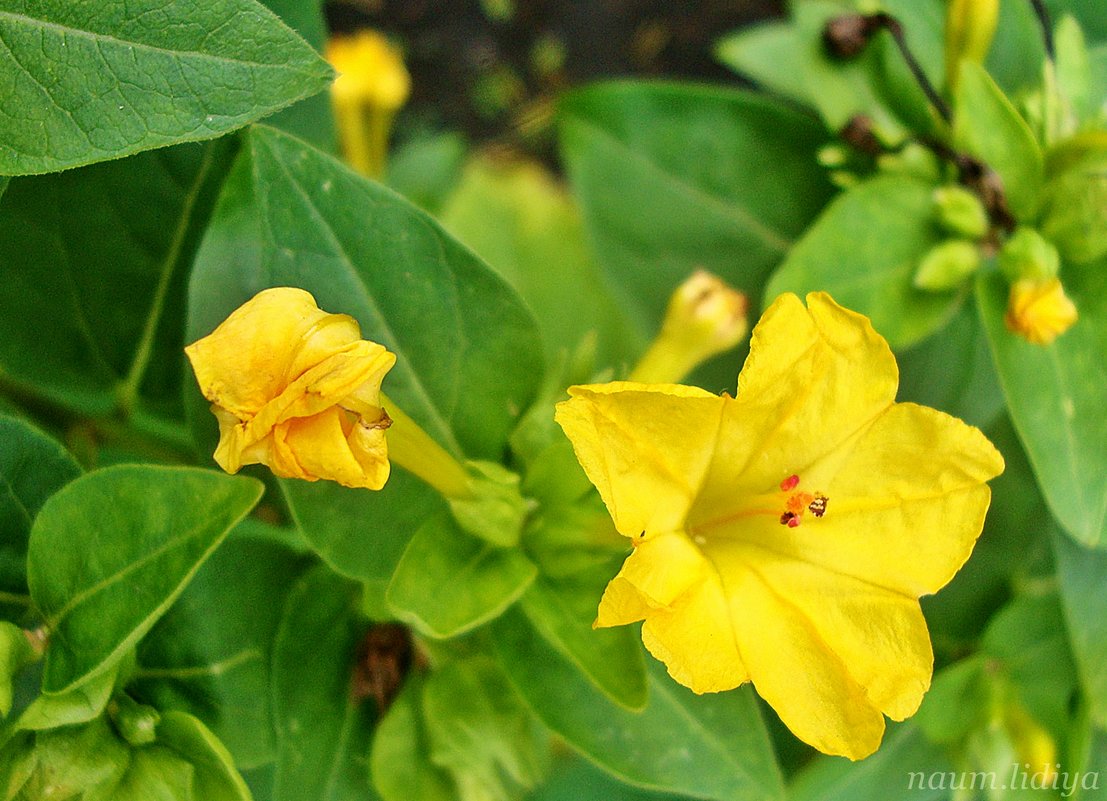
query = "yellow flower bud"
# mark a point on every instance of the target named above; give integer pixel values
(296, 389)
(370, 70)
(970, 26)
(371, 86)
(1039, 311)
(705, 317)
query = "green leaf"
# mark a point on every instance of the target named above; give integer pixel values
(153, 774)
(323, 732)
(73, 245)
(1082, 577)
(67, 762)
(675, 177)
(214, 777)
(79, 705)
(211, 653)
(1017, 53)
(905, 762)
(1056, 395)
(468, 355)
(97, 81)
(769, 53)
(426, 168)
(709, 746)
(32, 468)
(480, 732)
(15, 654)
(111, 551)
(578, 552)
(400, 760)
(530, 231)
(987, 126)
(957, 703)
(361, 534)
(311, 119)
(449, 582)
(864, 250)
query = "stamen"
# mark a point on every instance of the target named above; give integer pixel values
(798, 503)
(789, 483)
(818, 506)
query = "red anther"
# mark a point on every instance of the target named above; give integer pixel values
(790, 519)
(793, 521)
(789, 483)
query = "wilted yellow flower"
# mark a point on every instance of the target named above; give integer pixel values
(297, 389)
(784, 536)
(1038, 310)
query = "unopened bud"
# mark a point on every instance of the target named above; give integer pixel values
(970, 27)
(135, 722)
(961, 212)
(947, 265)
(1039, 311)
(846, 36)
(705, 317)
(1028, 254)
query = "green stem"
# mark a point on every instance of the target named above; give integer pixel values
(15, 599)
(413, 449)
(128, 389)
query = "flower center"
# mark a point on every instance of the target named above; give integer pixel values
(799, 502)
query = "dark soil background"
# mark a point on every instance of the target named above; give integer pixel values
(491, 68)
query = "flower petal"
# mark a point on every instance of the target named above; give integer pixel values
(644, 446)
(329, 446)
(814, 377)
(793, 668)
(695, 639)
(657, 573)
(907, 502)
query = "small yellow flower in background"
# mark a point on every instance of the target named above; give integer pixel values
(705, 317)
(1038, 310)
(970, 28)
(371, 86)
(296, 389)
(784, 536)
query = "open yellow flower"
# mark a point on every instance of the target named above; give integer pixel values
(297, 389)
(784, 536)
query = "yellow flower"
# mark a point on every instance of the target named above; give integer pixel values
(370, 70)
(1038, 310)
(784, 536)
(297, 389)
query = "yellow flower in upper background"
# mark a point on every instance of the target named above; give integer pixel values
(369, 69)
(297, 389)
(784, 536)
(1038, 310)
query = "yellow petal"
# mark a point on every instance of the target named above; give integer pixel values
(644, 446)
(695, 639)
(906, 502)
(328, 446)
(660, 570)
(813, 378)
(794, 670)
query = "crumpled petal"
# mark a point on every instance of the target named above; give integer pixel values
(660, 570)
(297, 389)
(644, 446)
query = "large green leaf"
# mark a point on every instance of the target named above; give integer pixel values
(32, 468)
(449, 582)
(902, 768)
(1056, 395)
(468, 355)
(986, 125)
(531, 233)
(1082, 576)
(323, 731)
(864, 250)
(211, 653)
(112, 550)
(96, 81)
(676, 177)
(73, 246)
(311, 119)
(214, 777)
(709, 746)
